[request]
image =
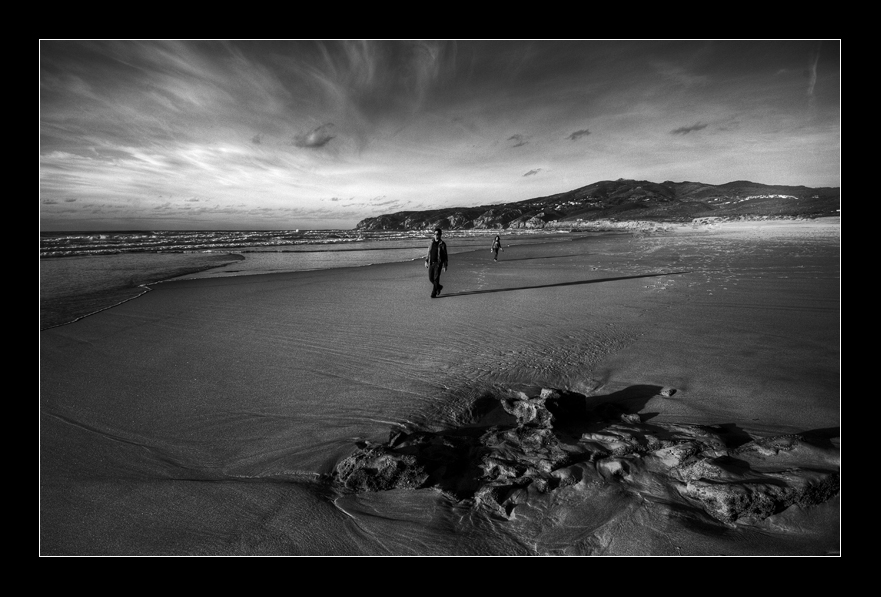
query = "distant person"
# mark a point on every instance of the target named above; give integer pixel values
(497, 246)
(435, 261)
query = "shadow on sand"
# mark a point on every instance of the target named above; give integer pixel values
(505, 260)
(579, 282)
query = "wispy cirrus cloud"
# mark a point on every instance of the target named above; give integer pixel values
(684, 130)
(372, 88)
(680, 74)
(342, 124)
(812, 73)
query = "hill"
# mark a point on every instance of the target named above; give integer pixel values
(625, 200)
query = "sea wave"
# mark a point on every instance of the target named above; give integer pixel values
(105, 243)
(71, 244)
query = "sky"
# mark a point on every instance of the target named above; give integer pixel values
(309, 134)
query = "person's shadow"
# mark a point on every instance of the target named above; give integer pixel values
(576, 283)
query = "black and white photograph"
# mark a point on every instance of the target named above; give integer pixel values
(455, 297)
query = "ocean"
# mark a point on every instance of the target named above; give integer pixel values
(85, 272)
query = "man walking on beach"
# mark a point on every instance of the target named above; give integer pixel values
(435, 261)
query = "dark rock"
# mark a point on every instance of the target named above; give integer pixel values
(500, 465)
(757, 500)
(771, 446)
(375, 468)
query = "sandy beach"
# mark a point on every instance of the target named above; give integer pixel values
(684, 386)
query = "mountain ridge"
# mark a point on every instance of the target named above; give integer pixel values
(624, 200)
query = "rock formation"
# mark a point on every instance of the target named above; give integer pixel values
(549, 439)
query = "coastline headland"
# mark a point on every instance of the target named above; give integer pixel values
(607, 203)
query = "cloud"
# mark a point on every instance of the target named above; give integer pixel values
(69, 200)
(257, 139)
(519, 140)
(533, 172)
(680, 75)
(812, 73)
(468, 125)
(578, 134)
(684, 130)
(317, 137)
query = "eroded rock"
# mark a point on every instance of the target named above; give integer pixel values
(378, 468)
(747, 500)
(495, 464)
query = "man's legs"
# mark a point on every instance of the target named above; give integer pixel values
(434, 272)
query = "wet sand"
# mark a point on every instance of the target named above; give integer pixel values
(207, 416)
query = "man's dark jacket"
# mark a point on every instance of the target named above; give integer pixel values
(437, 252)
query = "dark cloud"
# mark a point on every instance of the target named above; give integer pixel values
(533, 172)
(69, 200)
(50, 202)
(578, 134)
(317, 137)
(519, 140)
(684, 130)
(257, 139)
